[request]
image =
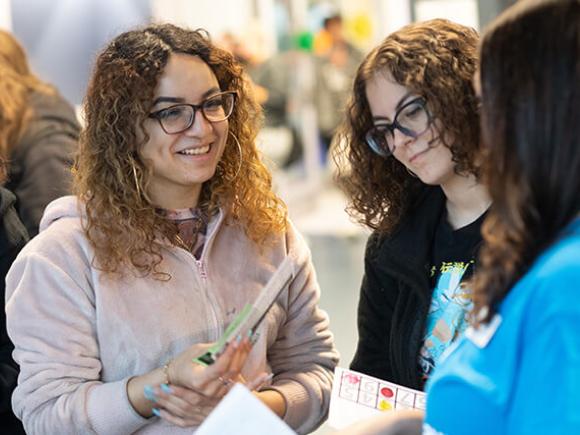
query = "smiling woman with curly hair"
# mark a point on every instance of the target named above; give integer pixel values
(174, 229)
(410, 143)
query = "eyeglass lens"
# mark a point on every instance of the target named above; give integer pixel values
(413, 120)
(179, 118)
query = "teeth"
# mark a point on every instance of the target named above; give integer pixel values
(195, 151)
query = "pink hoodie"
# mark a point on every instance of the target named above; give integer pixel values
(79, 334)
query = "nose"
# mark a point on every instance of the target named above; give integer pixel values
(400, 139)
(200, 125)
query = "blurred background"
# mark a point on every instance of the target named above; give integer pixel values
(301, 56)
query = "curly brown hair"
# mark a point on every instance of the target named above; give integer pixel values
(530, 113)
(122, 225)
(436, 59)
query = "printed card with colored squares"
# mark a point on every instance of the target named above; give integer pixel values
(356, 396)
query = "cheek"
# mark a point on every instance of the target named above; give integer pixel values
(222, 134)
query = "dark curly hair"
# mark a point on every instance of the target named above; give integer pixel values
(530, 76)
(436, 59)
(122, 224)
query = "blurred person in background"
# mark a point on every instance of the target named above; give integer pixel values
(411, 140)
(38, 135)
(336, 63)
(12, 238)
(173, 230)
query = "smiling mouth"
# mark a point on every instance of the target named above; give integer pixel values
(197, 151)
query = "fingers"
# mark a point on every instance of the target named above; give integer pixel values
(180, 406)
(178, 421)
(227, 367)
(259, 381)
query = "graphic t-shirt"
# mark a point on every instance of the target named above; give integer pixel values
(453, 258)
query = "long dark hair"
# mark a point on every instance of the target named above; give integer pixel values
(530, 77)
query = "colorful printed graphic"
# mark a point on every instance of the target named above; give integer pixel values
(447, 317)
(378, 394)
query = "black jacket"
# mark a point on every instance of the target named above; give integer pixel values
(39, 166)
(12, 238)
(396, 294)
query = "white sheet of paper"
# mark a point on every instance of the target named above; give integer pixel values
(242, 413)
(356, 396)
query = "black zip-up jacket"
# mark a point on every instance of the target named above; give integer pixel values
(12, 238)
(396, 294)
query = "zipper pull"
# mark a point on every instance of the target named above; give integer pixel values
(201, 269)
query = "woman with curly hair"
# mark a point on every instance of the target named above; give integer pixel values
(411, 141)
(518, 370)
(173, 230)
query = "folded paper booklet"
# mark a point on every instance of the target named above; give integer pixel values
(356, 396)
(242, 413)
(252, 315)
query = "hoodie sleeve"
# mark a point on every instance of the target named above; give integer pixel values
(303, 357)
(52, 321)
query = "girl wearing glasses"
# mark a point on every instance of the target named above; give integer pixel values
(173, 230)
(411, 141)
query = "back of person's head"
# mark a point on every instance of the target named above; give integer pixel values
(436, 60)
(16, 83)
(13, 54)
(113, 179)
(530, 77)
(13, 110)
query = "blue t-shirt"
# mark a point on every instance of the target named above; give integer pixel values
(520, 374)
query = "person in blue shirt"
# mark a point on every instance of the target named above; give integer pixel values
(517, 371)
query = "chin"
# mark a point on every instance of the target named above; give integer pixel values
(431, 179)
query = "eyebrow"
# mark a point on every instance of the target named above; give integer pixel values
(401, 102)
(178, 100)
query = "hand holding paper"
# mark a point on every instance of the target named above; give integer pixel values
(250, 317)
(195, 390)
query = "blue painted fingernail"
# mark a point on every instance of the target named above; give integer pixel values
(166, 389)
(239, 338)
(156, 412)
(250, 333)
(149, 393)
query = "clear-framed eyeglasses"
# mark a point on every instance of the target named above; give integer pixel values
(413, 119)
(179, 117)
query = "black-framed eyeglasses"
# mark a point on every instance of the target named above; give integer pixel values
(413, 119)
(179, 117)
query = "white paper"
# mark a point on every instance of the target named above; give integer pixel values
(242, 413)
(356, 397)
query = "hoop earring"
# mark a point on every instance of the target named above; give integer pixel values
(136, 179)
(241, 158)
(411, 173)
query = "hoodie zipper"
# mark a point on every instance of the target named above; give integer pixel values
(201, 269)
